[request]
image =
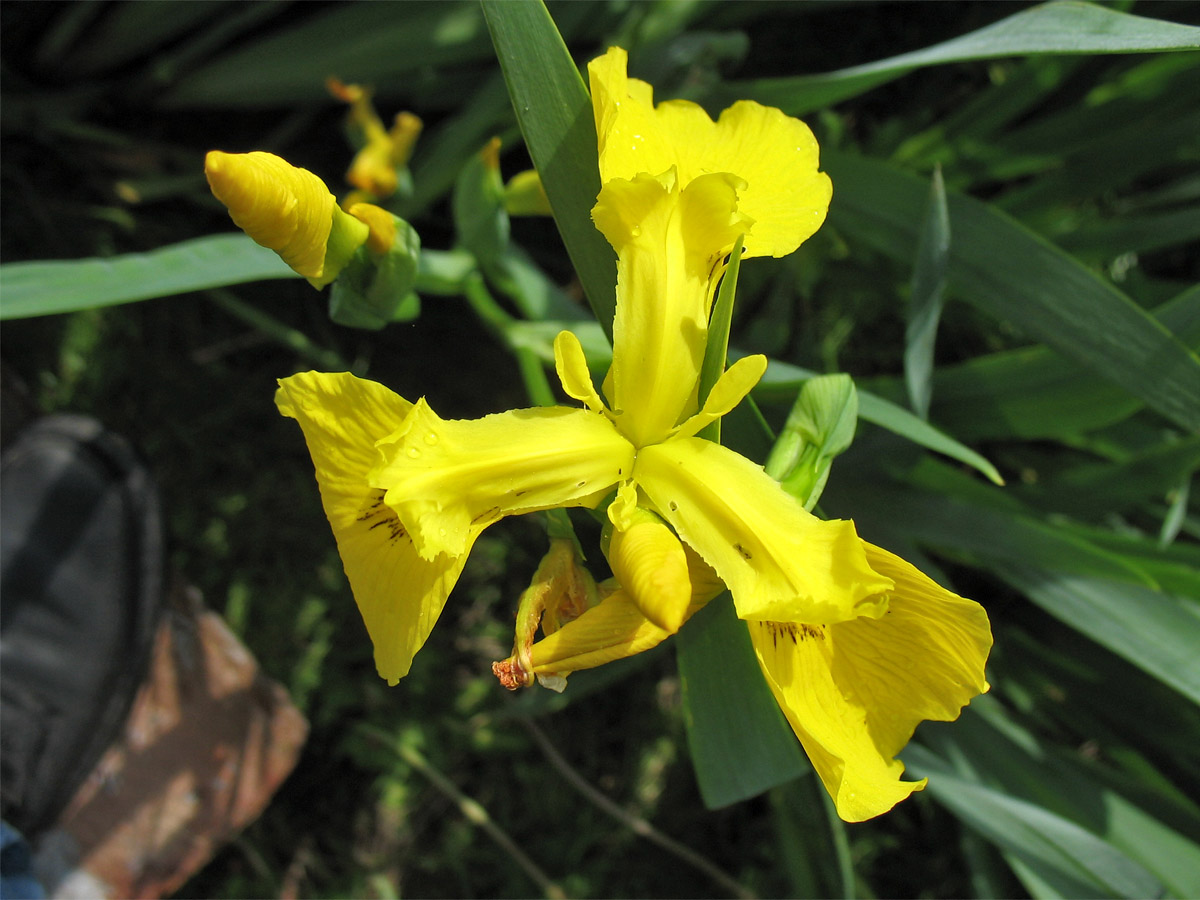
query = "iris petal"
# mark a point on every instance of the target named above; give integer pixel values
(775, 155)
(447, 478)
(399, 594)
(854, 691)
(780, 562)
(616, 627)
(669, 243)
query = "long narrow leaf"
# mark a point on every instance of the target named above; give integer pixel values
(740, 743)
(925, 304)
(555, 114)
(1063, 27)
(45, 288)
(1008, 271)
(1086, 865)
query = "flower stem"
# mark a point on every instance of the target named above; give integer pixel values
(636, 824)
(533, 373)
(284, 334)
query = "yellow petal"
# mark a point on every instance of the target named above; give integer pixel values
(399, 594)
(382, 225)
(780, 562)
(445, 478)
(372, 169)
(774, 154)
(854, 691)
(777, 157)
(282, 207)
(406, 128)
(561, 590)
(571, 365)
(629, 141)
(669, 243)
(524, 195)
(616, 628)
(648, 561)
(731, 388)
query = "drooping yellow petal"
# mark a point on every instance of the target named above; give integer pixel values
(445, 478)
(399, 594)
(649, 562)
(616, 628)
(524, 195)
(282, 207)
(854, 691)
(780, 562)
(560, 591)
(668, 242)
(775, 155)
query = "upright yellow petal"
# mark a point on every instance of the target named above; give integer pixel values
(781, 563)
(629, 140)
(854, 691)
(447, 478)
(399, 594)
(282, 207)
(775, 155)
(669, 243)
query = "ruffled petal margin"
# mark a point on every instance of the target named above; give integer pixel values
(774, 154)
(854, 691)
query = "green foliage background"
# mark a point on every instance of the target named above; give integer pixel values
(1051, 271)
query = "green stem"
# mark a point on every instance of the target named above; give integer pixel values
(533, 373)
(474, 813)
(636, 824)
(276, 330)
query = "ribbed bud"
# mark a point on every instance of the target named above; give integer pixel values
(282, 207)
(649, 562)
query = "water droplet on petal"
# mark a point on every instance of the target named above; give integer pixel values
(431, 439)
(413, 452)
(636, 231)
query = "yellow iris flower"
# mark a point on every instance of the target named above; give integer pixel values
(857, 646)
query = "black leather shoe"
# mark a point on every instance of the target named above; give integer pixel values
(81, 585)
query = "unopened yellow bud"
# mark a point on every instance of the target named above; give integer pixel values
(406, 128)
(648, 561)
(382, 152)
(382, 225)
(490, 154)
(280, 206)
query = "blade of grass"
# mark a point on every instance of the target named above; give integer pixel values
(925, 304)
(1086, 865)
(368, 42)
